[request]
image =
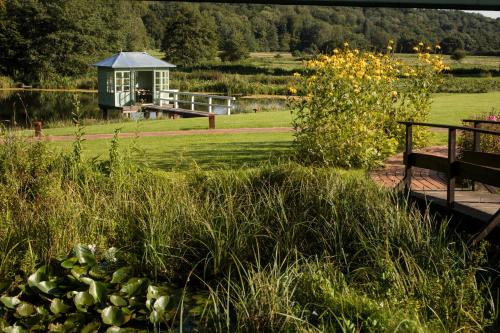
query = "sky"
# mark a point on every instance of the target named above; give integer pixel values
(488, 13)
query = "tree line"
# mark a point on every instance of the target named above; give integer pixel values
(41, 39)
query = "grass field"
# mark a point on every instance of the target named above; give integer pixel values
(446, 109)
(207, 152)
(246, 149)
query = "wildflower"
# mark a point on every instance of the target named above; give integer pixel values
(296, 74)
(389, 48)
(394, 93)
(438, 47)
(346, 44)
(415, 49)
(493, 118)
(420, 44)
(92, 248)
(292, 90)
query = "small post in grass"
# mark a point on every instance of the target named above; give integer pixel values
(450, 191)
(408, 151)
(211, 121)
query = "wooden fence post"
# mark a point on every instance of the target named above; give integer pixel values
(408, 151)
(192, 102)
(450, 191)
(210, 105)
(476, 147)
(176, 100)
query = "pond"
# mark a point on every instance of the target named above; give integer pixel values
(22, 107)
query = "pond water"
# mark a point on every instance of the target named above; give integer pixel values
(21, 107)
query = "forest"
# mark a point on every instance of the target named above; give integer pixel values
(41, 40)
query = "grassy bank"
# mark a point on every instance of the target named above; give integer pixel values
(282, 248)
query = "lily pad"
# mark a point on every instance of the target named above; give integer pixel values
(161, 304)
(84, 255)
(48, 287)
(83, 300)
(122, 274)
(25, 309)
(37, 277)
(98, 291)
(118, 300)
(58, 306)
(133, 286)
(91, 327)
(113, 316)
(69, 263)
(14, 329)
(10, 302)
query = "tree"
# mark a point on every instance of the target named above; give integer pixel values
(458, 55)
(451, 44)
(189, 36)
(234, 48)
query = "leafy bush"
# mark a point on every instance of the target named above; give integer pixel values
(488, 143)
(458, 55)
(6, 82)
(353, 101)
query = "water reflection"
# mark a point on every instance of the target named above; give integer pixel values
(20, 108)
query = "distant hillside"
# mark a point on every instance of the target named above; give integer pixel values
(311, 28)
(50, 40)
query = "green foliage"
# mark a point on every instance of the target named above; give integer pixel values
(458, 55)
(488, 143)
(273, 248)
(234, 48)
(69, 36)
(189, 36)
(352, 103)
(80, 293)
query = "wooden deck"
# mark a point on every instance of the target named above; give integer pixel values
(184, 113)
(479, 209)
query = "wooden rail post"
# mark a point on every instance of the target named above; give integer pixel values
(192, 102)
(450, 191)
(476, 147)
(408, 151)
(210, 105)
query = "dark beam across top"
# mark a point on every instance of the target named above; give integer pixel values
(443, 4)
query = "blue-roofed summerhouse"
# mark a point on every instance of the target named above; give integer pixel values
(127, 78)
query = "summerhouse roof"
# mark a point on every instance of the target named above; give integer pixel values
(133, 60)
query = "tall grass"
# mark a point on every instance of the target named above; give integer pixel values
(279, 248)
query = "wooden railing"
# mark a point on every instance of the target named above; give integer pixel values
(193, 99)
(474, 165)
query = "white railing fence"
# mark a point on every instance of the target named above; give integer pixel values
(175, 97)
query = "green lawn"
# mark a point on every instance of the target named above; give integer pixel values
(247, 149)
(446, 109)
(226, 151)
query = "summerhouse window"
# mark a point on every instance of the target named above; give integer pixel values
(122, 81)
(110, 82)
(161, 80)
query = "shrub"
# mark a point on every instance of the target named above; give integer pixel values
(6, 82)
(353, 101)
(488, 143)
(458, 55)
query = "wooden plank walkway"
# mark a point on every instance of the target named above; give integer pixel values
(175, 111)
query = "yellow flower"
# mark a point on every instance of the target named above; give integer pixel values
(420, 44)
(438, 47)
(394, 93)
(346, 44)
(296, 74)
(415, 49)
(389, 48)
(292, 90)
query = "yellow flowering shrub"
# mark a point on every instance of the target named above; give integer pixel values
(351, 102)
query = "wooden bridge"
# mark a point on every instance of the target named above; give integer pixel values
(480, 209)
